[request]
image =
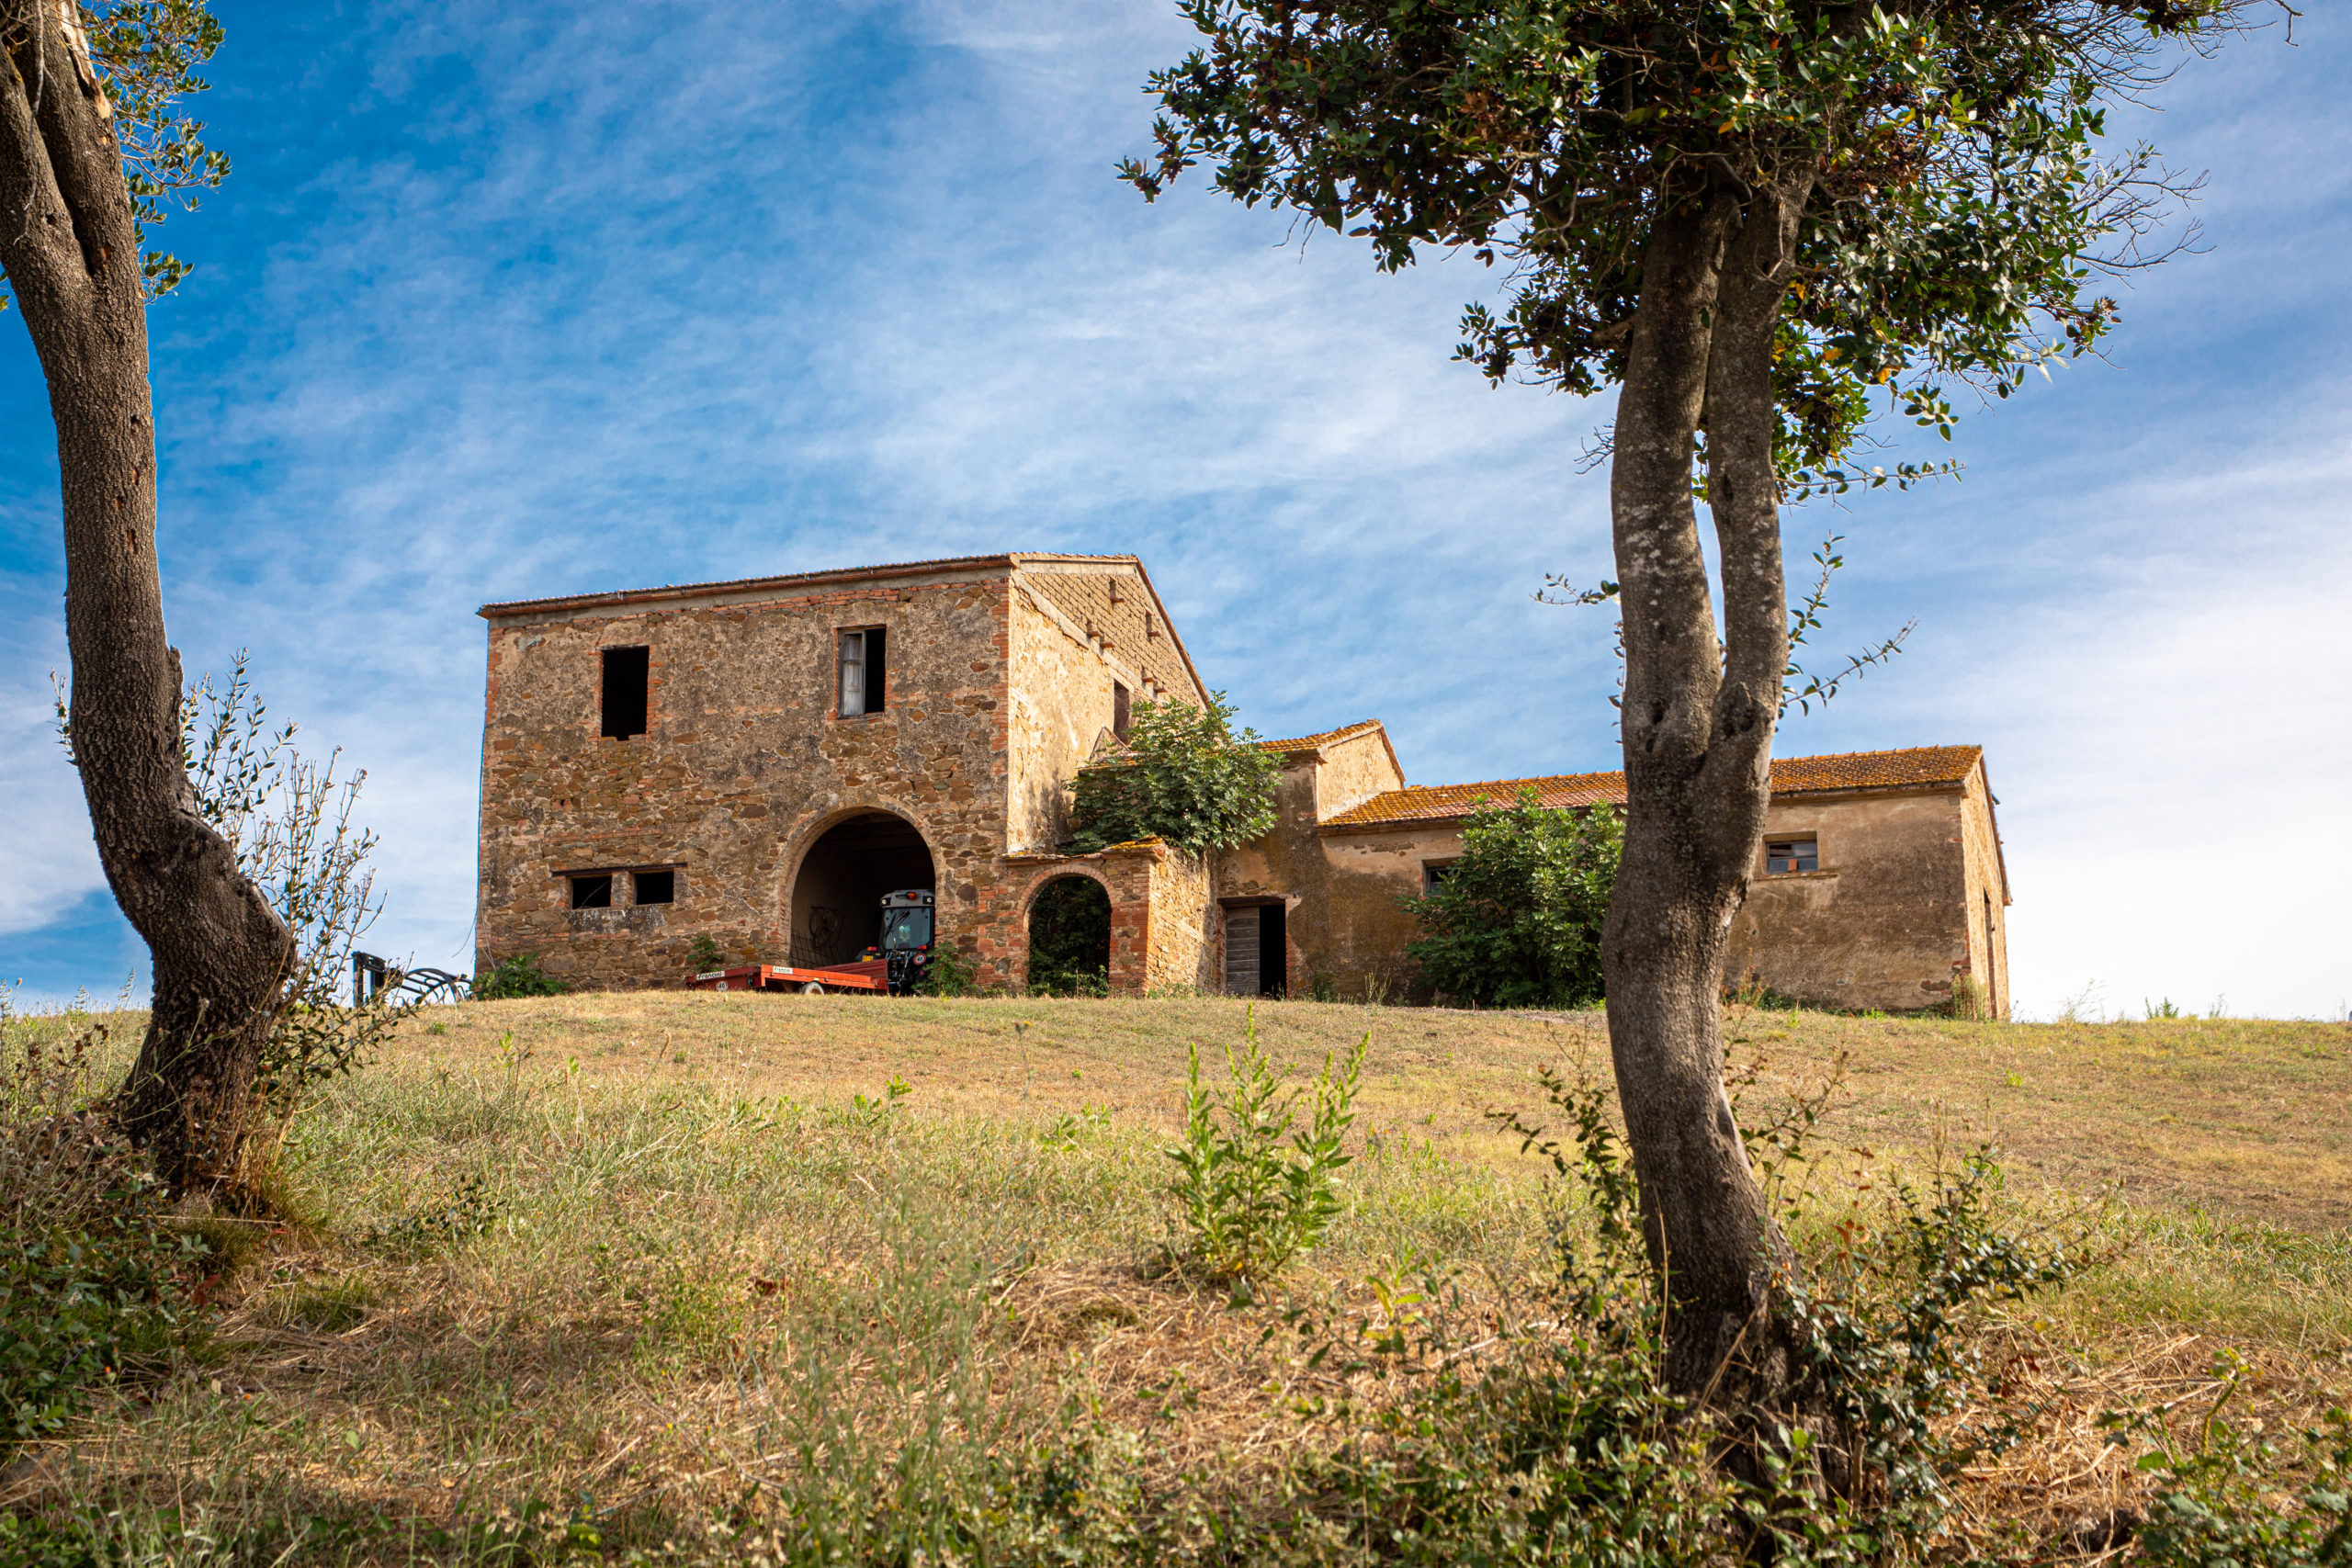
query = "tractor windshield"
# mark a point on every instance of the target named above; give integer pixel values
(905, 930)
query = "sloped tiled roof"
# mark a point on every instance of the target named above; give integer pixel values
(1308, 742)
(1916, 768)
(780, 583)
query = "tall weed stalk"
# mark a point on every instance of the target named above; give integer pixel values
(1256, 1187)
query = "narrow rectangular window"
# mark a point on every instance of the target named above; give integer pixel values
(625, 679)
(861, 673)
(1122, 710)
(1783, 856)
(1433, 873)
(592, 892)
(656, 887)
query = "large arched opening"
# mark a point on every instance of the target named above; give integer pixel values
(837, 896)
(1070, 938)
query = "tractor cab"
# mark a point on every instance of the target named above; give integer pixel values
(907, 934)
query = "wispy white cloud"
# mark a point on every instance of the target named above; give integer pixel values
(513, 303)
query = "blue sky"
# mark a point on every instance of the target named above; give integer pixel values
(509, 302)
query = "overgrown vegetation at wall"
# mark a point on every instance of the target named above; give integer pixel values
(1184, 775)
(1069, 938)
(1516, 921)
(519, 975)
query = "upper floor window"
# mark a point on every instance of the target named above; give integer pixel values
(627, 671)
(592, 892)
(1121, 709)
(655, 886)
(1434, 871)
(861, 684)
(1784, 855)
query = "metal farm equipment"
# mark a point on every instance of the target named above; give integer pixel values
(895, 966)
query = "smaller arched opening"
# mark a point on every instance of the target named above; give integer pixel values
(1070, 938)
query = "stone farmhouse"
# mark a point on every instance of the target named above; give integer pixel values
(757, 763)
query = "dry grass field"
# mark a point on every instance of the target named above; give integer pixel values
(641, 1259)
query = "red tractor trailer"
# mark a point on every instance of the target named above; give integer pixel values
(895, 964)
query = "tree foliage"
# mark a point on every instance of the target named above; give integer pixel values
(1962, 202)
(1762, 221)
(145, 54)
(1182, 775)
(1516, 921)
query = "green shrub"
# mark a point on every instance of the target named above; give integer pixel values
(1539, 1428)
(1182, 775)
(92, 1269)
(1516, 922)
(2217, 1502)
(517, 977)
(949, 974)
(1257, 1189)
(703, 955)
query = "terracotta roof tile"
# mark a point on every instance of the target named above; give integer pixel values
(1308, 742)
(1917, 767)
(785, 581)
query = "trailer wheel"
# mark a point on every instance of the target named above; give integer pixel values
(813, 988)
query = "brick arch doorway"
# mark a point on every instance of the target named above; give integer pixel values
(1069, 936)
(837, 893)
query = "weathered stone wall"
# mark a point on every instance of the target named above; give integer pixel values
(1186, 931)
(1162, 924)
(1112, 607)
(1883, 924)
(1988, 894)
(744, 765)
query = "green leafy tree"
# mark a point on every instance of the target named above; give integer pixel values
(93, 152)
(1516, 921)
(1182, 775)
(1761, 221)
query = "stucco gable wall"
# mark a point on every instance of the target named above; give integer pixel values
(1883, 924)
(1988, 896)
(1059, 703)
(1353, 770)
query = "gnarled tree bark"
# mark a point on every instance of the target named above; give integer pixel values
(1698, 721)
(70, 247)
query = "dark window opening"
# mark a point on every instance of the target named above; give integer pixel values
(626, 672)
(1121, 709)
(1783, 856)
(656, 887)
(1433, 873)
(861, 684)
(592, 892)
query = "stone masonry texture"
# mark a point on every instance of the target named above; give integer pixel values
(1000, 681)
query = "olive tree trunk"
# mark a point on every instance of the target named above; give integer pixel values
(70, 247)
(1698, 720)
